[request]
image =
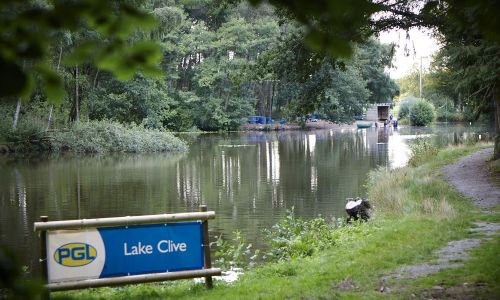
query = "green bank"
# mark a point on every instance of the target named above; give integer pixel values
(416, 212)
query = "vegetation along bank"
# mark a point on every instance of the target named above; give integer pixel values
(89, 137)
(416, 215)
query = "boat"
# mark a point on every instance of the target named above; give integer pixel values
(364, 125)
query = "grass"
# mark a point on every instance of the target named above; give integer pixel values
(90, 137)
(416, 213)
(479, 277)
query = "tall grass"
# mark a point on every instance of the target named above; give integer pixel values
(421, 151)
(88, 137)
(410, 191)
(29, 136)
(418, 190)
(108, 136)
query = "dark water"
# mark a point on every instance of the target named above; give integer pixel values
(249, 179)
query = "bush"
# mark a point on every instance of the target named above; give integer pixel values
(422, 113)
(235, 253)
(29, 136)
(421, 151)
(107, 136)
(293, 237)
(404, 107)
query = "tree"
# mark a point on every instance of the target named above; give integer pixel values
(28, 29)
(471, 26)
(470, 57)
(371, 58)
(422, 113)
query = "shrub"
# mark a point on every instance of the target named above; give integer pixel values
(404, 107)
(293, 237)
(422, 113)
(234, 254)
(421, 151)
(107, 136)
(29, 136)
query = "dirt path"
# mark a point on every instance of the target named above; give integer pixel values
(469, 176)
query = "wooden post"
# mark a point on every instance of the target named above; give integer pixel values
(43, 258)
(206, 248)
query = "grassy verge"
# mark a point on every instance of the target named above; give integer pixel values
(416, 213)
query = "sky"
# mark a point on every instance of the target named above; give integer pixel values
(420, 44)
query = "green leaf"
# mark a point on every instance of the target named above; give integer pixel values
(321, 41)
(83, 53)
(28, 88)
(13, 78)
(53, 86)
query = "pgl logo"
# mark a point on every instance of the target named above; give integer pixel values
(75, 254)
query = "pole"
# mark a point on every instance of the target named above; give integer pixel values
(43, 258)
(206, 249)
(420, 77)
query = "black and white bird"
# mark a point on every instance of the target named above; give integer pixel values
(357, 208)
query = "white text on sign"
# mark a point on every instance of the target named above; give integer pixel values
(163, 246)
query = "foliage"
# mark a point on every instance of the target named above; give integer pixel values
(444, 115)
(372, 58)
(29, 136)
(346, 96)
(29, 29)
(421, 151)
(422, 113)
(293, 237)
(415, 190)
(314, 82)
(405, 105)
(220, 63)
(14, 283)
(107, 136)
(234, 254)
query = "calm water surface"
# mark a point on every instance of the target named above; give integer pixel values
(249, 179)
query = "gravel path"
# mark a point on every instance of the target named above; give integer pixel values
(469, 176)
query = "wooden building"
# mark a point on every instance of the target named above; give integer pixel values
(379, 111)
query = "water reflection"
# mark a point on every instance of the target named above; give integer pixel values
(249, 179)
(398, 150)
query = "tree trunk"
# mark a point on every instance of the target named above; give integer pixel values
(226, 101)
(77, 98)
(18, 108)
(261, 111)
(94, 85)
(50, 117)
(74, 115)
(16, 114)
(496, 94)
(52, 105)
(271, 98)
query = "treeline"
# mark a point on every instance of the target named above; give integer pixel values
(463, 81)
(220, 63)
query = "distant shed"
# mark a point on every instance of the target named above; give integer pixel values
(379, 111)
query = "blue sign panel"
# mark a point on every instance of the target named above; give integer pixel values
(155, 248)
(126, 250)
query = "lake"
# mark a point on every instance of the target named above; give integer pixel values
(249, 178)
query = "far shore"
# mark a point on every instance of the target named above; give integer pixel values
(320, 124)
